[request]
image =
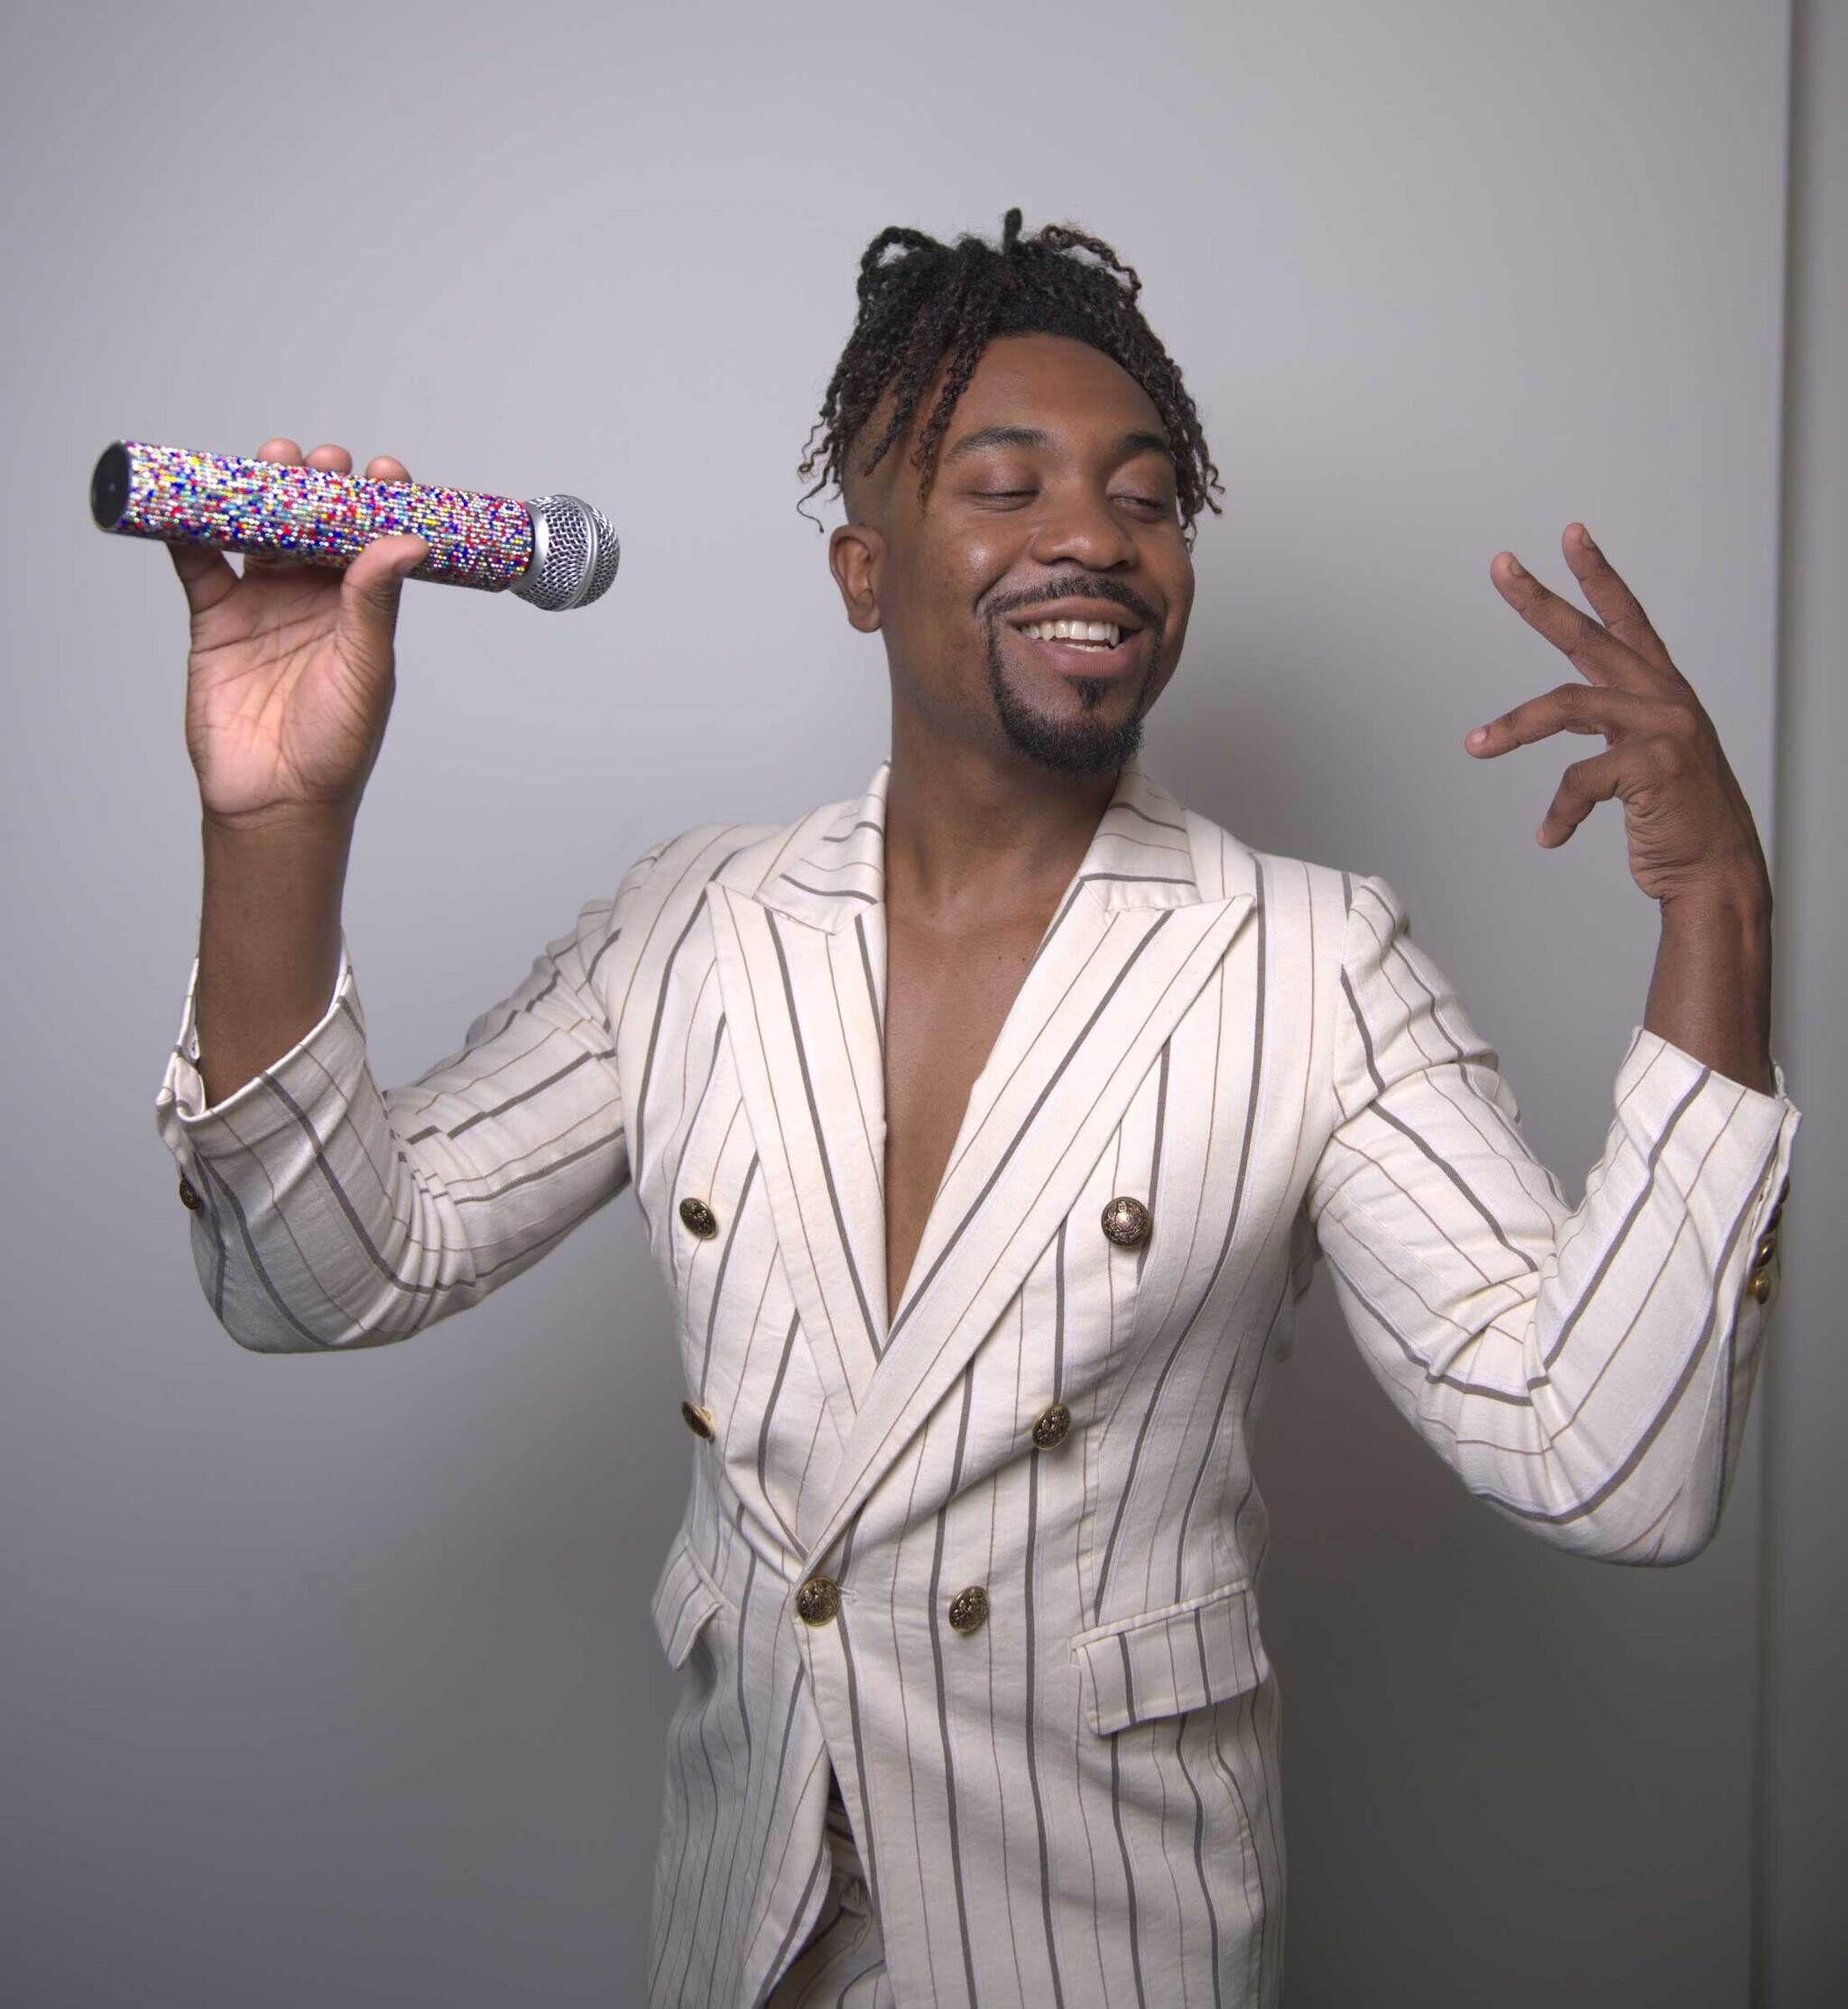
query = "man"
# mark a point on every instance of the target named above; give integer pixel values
(988, 1125)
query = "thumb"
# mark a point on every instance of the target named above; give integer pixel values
(375, 579)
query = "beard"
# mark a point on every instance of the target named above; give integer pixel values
(1080, 745)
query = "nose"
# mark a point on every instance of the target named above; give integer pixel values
(1080, 528)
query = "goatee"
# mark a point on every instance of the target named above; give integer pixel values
(1078, 746)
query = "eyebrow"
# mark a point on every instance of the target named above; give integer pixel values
(1031, 436)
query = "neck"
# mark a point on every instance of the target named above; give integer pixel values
(970, 833)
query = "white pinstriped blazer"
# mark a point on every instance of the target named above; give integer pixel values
(1075, 1803)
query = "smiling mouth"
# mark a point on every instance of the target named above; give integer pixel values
(1079, 647)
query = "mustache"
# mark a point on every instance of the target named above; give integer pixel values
(1077, 586)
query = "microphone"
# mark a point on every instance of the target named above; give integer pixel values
(555, 552)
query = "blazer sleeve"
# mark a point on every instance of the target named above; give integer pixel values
(1585, 1370)
(327, 1213)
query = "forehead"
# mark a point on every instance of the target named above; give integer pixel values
(1055, 385)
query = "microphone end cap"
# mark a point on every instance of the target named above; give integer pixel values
(110, 481)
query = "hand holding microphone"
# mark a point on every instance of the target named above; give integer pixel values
(291, 671)
(324, 642)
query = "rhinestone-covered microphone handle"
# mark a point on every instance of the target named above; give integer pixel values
(555, 552)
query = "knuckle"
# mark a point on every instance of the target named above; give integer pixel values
(1574, 699)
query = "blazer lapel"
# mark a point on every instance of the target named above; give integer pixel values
(801, 968)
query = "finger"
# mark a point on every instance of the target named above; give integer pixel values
(1591, 650)
(205, 573)
(1612, 600)
(382, 467)
(1582, 786)
(330, 459)
(1568, 707)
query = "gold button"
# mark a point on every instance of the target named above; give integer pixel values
(699, 1217)
(1767, 1248)
(1761, 1284)
(968, 1608)
(1126, 1221)
(1051, 1425)
(188, 1195)
(697, 1419)
(819, 1600)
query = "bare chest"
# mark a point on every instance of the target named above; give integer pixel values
(946, 1000)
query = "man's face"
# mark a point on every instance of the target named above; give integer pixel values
(1054, 502)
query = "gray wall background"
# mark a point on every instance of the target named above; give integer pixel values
(335, 1675)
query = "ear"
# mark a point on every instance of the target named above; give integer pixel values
(856, 556)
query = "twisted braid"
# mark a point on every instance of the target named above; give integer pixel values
(924, 305)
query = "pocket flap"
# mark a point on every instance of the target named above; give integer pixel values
(1158, 1662)
(685, 1597)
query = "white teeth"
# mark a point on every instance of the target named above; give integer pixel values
(1105, 633)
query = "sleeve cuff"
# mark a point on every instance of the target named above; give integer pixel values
(320, 1071)
(1647, 1047)
(1723, 1146)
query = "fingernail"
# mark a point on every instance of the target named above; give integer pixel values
(1515, 567)
(1479, 736)
(1586, 537)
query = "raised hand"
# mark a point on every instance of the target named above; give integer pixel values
(291, 672)
(1688, 826)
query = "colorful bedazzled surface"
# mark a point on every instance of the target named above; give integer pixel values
(322, 519)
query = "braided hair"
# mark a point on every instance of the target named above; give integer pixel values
(932, 303)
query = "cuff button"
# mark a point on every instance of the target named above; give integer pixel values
(1761, 1285)
(188, 1195)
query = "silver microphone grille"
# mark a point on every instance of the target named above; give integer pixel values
(574, 554)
